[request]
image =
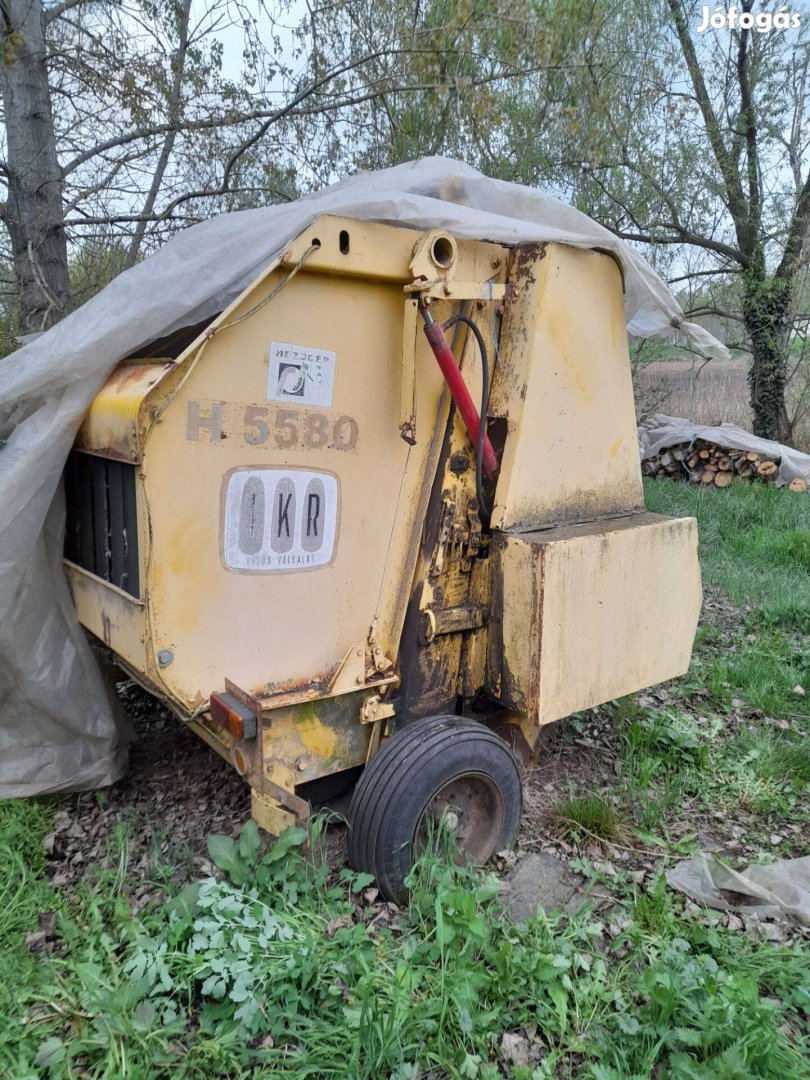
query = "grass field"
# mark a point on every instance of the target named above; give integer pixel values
(288, 966)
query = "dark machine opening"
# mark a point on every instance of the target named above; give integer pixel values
(101, 530)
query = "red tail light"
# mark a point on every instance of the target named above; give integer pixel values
(232, 715)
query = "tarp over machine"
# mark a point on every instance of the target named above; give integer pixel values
(58, 730)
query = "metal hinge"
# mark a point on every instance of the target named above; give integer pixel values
(451, 620)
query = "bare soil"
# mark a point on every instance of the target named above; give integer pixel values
(177, 791)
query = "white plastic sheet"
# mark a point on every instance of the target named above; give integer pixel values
(780, 889)
(658, 432)
(56, 727)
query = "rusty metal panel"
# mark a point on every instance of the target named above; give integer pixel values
(296, 743)
(114, 425)
(563, 384)
(115, 617)
(589, 613)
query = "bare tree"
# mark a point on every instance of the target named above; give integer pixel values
(742, 158)
(127, 119)
(688, 141)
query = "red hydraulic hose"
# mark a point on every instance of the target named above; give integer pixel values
(458, 388)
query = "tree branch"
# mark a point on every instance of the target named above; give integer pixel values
(168, 142)
(750, 122)
(791, 258)
(714, 311)
(685, 237)
(49, 14)
(703, 273)
(270, 116)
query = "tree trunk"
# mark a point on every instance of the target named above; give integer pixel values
(34, 213)
(766, 303)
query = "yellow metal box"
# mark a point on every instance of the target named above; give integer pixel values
(587, 613)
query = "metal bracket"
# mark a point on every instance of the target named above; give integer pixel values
(379, 662)
(351, 674)
(445, 533)
(442, 289)
(269, 815)
(374, 709)
(451, 620)
(407, 387)
(475, 536)
(434, 259)
(288, 799)
(375, 738)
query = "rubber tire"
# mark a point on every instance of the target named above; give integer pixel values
(402, 778)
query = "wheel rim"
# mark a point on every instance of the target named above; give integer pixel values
(471, 807)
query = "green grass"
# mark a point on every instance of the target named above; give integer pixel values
(272, 972)
(774, 757)
(24, 895)
(662, 763)
(764, 772)
(737, 732)
(587, 816)
(754, 544)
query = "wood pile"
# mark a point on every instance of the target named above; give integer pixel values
(703, 462)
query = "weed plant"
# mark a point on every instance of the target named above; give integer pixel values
(275, 969)
(587, 817)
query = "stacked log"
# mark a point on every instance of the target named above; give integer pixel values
(703, 462)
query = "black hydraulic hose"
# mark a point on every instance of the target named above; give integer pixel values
(483, 509)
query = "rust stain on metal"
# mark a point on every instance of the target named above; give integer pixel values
(523, 259)
(112, 427)
(313, 684)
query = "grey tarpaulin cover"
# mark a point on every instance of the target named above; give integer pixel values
(658, 432)
(780, 889)
(57, 730)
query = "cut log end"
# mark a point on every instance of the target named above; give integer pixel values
(702, 462)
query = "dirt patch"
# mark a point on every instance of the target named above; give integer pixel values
(156, 820)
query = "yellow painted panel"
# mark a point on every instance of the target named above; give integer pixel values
(274, 626)
(113, 424)
(115, 617)
(618, 607)
(564, 384)
(363, 249)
